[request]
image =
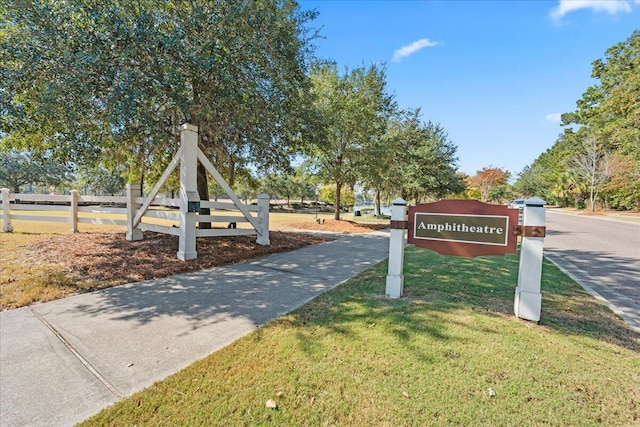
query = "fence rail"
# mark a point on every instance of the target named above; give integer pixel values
(162, 218)
(157, 211)
(62, 208)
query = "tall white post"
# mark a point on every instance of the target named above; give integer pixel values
(528, 299)
(73, 209)
(188, 191)
(395, 276)
(6, 211)
(133, 192)
(263, 220)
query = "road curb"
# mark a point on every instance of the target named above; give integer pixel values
(617, 302)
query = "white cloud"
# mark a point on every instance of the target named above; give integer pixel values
(554, 117)
(412, 48)
(611, 7)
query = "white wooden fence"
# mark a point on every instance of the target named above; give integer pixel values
(61, 208)
(179, 217)
(162, 214)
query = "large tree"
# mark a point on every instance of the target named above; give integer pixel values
(353, 108)
(18, 169)
(610, 111)
(112, 80)
(487, 178)
(420, 159)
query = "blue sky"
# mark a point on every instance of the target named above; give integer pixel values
(495, 74)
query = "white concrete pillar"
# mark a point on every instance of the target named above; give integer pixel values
(133, 192)
(528, 299)
(6, 211)
(395, 276)
(73, 211)
(263, 219)
(188, 189)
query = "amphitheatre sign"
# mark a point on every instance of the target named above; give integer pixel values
(466, 228)
(471, 228)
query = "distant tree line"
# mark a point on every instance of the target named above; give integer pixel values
(596, 161)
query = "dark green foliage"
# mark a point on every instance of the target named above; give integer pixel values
(113, 80)
(18, 169)
(420, 160)
(609, 113)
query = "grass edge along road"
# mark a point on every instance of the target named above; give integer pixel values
(449, 352)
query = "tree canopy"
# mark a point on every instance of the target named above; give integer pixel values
(18, 169)
(103, 87)
(487, 179)
(420, 160)
(352, 110)
(112, 80)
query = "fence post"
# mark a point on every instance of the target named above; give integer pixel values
(73, 208)
(395, 277)
(263, 219)
(188, 191)
(528, 300)
(133, 192)
(6, 211)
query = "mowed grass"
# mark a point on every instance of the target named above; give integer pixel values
(449, 352)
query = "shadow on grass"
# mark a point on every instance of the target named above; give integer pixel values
(437, 285)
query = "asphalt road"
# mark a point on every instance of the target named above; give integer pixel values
(606, 251)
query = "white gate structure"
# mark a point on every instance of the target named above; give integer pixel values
(151, 213)
(189, 203)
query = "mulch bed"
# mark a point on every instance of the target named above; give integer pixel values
(108, 258)
(341, 226)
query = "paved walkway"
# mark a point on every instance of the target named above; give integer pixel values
(63, 361)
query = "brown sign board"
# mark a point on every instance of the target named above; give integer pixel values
(467, 228)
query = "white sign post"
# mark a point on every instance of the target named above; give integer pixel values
(395, 278)
(6, 211)
(528, 300)
(188, 192)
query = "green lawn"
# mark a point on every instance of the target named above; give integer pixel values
(433, 357)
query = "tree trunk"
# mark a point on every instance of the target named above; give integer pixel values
(338, 190)
(378, 207)
(203, 192)
(232, 172)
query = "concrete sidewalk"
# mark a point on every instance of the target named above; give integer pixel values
(63, 361)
